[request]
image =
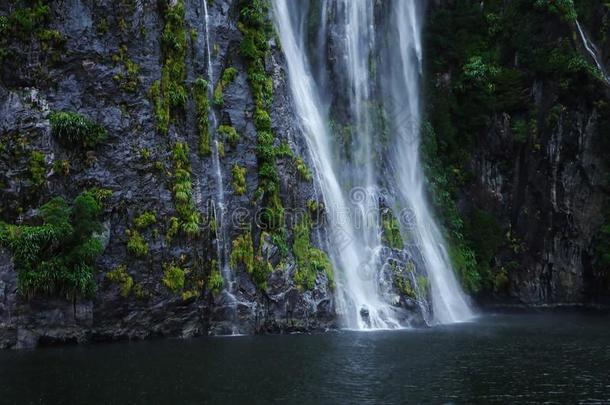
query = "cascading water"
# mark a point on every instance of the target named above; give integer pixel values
(372, 65)
(403, 71)
(592, 49)
(219, 208)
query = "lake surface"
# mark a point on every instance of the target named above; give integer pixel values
(504, 358)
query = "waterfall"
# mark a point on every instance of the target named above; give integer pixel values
(592, 50)
(368, 59)
(448, 301)
(219, 206)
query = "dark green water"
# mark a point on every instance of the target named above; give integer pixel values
(517, 358)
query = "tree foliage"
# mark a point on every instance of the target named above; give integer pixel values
(57, 256)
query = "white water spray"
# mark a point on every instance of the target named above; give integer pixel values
(593, 51)
(361, 298)
(219, 208)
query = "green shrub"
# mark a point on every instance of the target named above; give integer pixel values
(61, 166)
(140, 292)
(121, 277)
(169, 93)
(485, 236)
(481, 73)
(190, 294)
(172, 228)
(309, 259)
(183, 190)
(402, 279)
(564, 8)
(230, 134)
(243, 252)
(173, 277)
(146, 219)
(303, 170)
(257, 29)
(100, 194)
(37, 168)
(215, 281)
(239, 179)
(200, 91)
(57, 257)
(26, 24)
(523, 130)
(227, 78)
(190, 225)
(128, 78)
(136, 243)
(74, 129)
(391, 230)
(26, 21)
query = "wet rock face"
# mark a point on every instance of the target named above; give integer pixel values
(548, 191)
(553, 199)
(85, 74)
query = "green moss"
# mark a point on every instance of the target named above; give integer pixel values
(61, 166)
(523, 130)
(564, 8)
(402, 280)
(229, 134)
(173, 227)
(128, 78)
(174, 277)
(200, 91)
(183, 191)
(145, 219)
(484, 234)
(23, 22)
(243, 252)
(57, 257)
(121, 277)
(391, 230)
(169, 94)
(145, 154)
(303, 170)
(50, 39)
(257, 29)
(239, 179)
(161, 107)
(102, 26)
(140, 292)
(309, 259)
(26, 24)
(284, 150)
(37, 167)
(261, 272)
(190, 294)
(227, 78)
(75, 129)
(215, 281)
(100, 194)
(441, 188)
(136, 244)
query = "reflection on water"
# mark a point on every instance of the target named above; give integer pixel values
(499, 358)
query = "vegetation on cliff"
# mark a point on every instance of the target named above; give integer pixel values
(57, 256)
(500, 53)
